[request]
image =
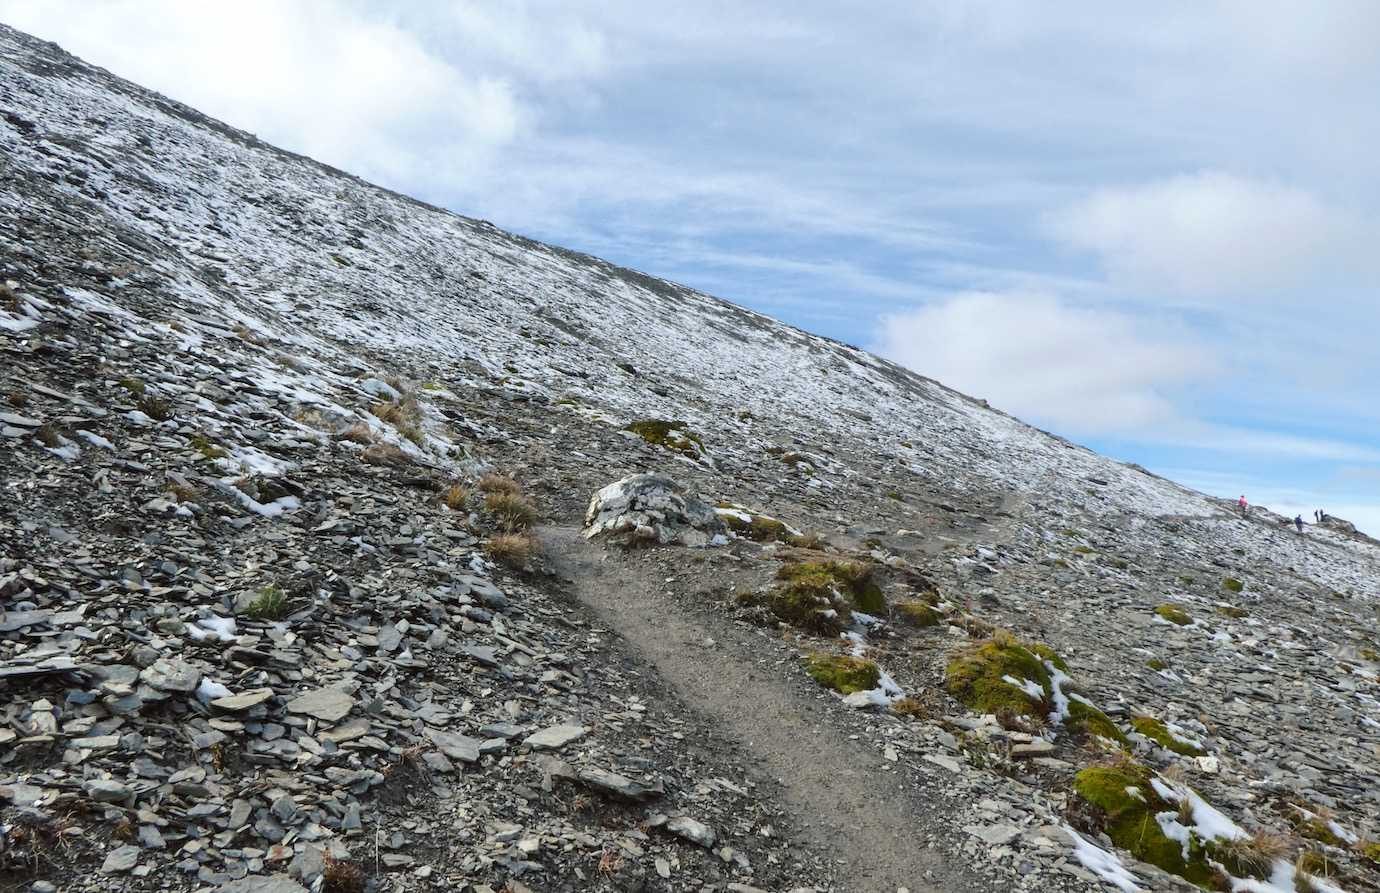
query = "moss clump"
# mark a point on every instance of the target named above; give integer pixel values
(673, 435)
(1232, 611)
(1159, 733)
(811, 603)
(134, 386)
(1174, 614)
(1369, 850)
(919, 613)
(270, 604)
(1156, 664)
(1316, 828)
(843, 673)
(207, 449)
(1233, 585)
(852, 579)
(759, 528)
(1085, 718)
(1126, 805)
(975, 677)
(1044, 652)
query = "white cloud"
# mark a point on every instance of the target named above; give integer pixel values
(1213, 234)
(1084, 370)
(316, 77)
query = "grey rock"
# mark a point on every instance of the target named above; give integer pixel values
(171, 674)
(326, 704)
(456, 746)
(555, 737)
(121, 859)
(694, 831)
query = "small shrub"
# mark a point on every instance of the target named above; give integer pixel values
(184, 492)
(1174, 614)
(1233, 585)
(49, 436)
(340, 876)
(270, 604)
(1232, 611)
(511, 549)
(812, 541)
(246, 334)
(1253, 856)
(455, 497)
(157, 408)
(843, 673)
(513, 511)
(17, 399)
(498, 483)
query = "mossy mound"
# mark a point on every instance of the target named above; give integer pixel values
(919, 613)
(1316, 828)
(1159, 733)
(1232, 611)
(852, 579)
(843, 673)
(1044, 652)
(1233, 585)
(1126, 805)
(1369, 850)
(810, 606)
(1085, 718)
(673, 435)
(976, 677)
(1174, 614)
(754, 526)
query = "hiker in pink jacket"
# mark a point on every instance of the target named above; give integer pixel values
(1242, 503)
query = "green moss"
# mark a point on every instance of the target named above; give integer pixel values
(1126, 805)
(807, 604)
(853, 579)
(673, 435)
(1369, 850)
(975, 677)
(1159, 733)
(1083, 550)
(919, 613)
(1370, 654)
(1089, 720)
(1186, 580)
(134, 386)
(1232, 611)
(1232, 584)
(1316, 829)
(760, 528)
(1044, 652)
(207, 449)
(1174, 614)
(843, 673)
(1156, 664)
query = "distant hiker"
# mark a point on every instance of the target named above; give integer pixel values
(1298, 522)
(1317, 515)
(1242, 504)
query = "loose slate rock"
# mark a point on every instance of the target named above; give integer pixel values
(620, 785)
(275, 884)
(694, 831)
(171, 674)
(555, 737)
(457, 747)
(326, 704)
(237, 703)
(121, 859)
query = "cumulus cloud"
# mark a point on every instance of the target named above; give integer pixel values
(1083, 370)
(1213, 234)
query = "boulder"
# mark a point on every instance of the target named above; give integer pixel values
(653, 508)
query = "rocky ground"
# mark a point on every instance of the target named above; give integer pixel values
(293, 591)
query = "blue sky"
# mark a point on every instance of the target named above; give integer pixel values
(1153, 230)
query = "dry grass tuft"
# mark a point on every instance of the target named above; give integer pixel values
(246, 334)
(455, 497)
(340, 876)
(385, 454)
(511, 549)
(185, 492)
(357, 433)
(498, 483)
(18, 399)
(513, 511)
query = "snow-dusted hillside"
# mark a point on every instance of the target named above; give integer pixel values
(187, 304)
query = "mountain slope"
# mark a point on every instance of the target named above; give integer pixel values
(261, 372)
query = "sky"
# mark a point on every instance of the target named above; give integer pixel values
(1151, 228)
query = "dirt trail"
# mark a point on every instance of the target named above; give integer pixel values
(861, 810)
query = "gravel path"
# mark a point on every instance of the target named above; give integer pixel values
(861, 811)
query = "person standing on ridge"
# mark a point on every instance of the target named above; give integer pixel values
(1298, 522)
(1242, 504)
